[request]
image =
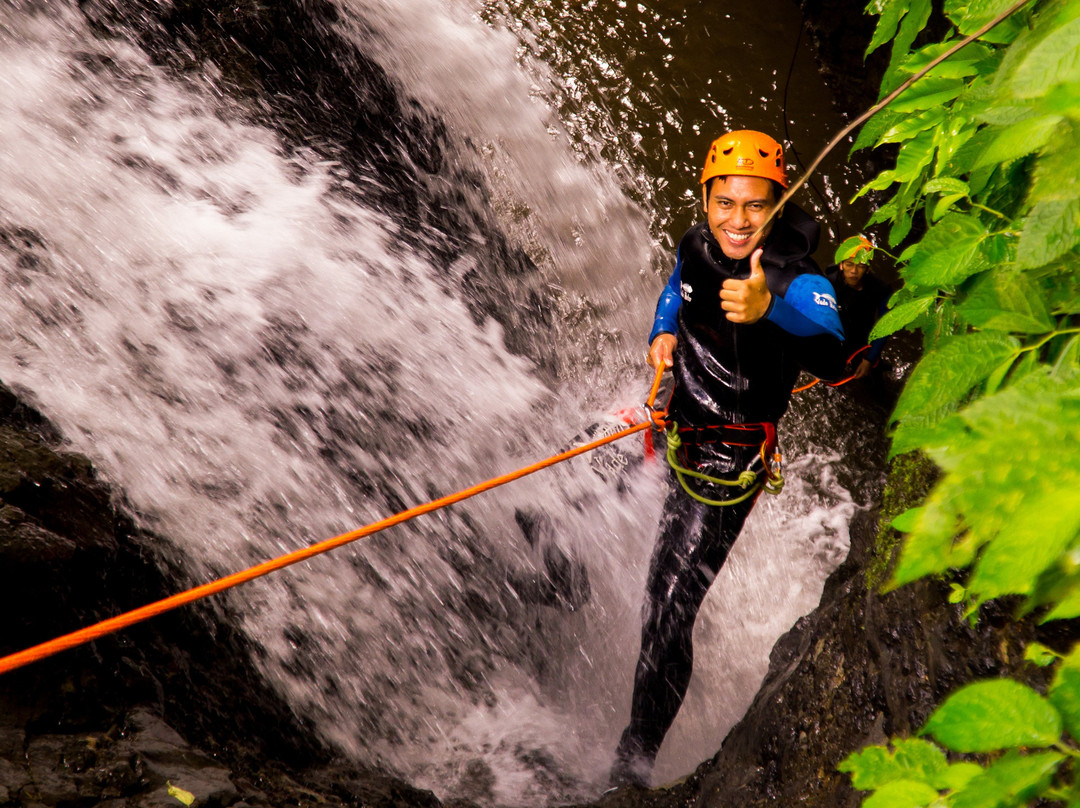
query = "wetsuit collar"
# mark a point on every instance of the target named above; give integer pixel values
(794, 236)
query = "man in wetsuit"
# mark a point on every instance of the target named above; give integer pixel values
(861, 299)
(745, 308)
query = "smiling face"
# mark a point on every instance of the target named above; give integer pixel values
(735, 207)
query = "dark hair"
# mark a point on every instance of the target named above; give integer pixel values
(777, 188)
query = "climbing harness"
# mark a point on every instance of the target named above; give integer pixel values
(770, 479)
(652, 417)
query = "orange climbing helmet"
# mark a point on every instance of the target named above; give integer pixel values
(746, 152)
(864, 252)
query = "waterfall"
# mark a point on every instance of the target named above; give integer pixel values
(259, 352)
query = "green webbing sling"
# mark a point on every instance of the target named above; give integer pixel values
(750, 480)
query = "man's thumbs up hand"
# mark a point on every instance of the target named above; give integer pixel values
(746, 301)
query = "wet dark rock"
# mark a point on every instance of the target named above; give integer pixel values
(172, 701)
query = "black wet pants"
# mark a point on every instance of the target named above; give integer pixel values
(693, 543)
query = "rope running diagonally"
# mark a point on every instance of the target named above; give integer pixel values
(114, 624)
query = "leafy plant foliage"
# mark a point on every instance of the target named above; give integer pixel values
(988, 174)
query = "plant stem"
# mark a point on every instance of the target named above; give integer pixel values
(882, 104)
(1048, 337)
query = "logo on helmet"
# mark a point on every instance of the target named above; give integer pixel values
(744, 162)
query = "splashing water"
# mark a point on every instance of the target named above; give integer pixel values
(258, 360)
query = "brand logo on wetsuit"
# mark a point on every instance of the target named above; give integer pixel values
(687, 291)
(825, 300)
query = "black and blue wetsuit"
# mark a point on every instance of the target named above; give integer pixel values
(859, 310)
(732, 383)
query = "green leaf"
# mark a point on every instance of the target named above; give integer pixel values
(1056, 60)
(1065, 696)
(907, 127)
(958, 775)
(930, 547)
(946, 375)
(1007, 112)
(1059, 100)
(1060, 585)
(951, 139)
(949, 252)
(998, 249)
(1006, 301)
(895, 319)
(918, 14)
(1071, 659)
(880, 182)
(942, 326)
(914, 156)
(1067, 606)
(1068, 361)
(1010, 468)
(1038, 531)
(906, 521)
(848, 248)
(946, 185)
(869, 767)
(1051, 230)
(911, 759)
(902, 794)
(994, 714)
(904, 218)
(971, 15)
(997, 378)
(916, 759)
(928, 93)
(1013, 780)
(1038, 654)
(882, 214)
(942, 206)
(962, 64)
(953, 190)
(890, 11)
(873, 129)
(1019, 140)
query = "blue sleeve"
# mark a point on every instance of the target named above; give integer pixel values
(808, 308)
(666, 320)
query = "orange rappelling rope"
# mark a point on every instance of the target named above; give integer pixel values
(833, 384)
(113, 624)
